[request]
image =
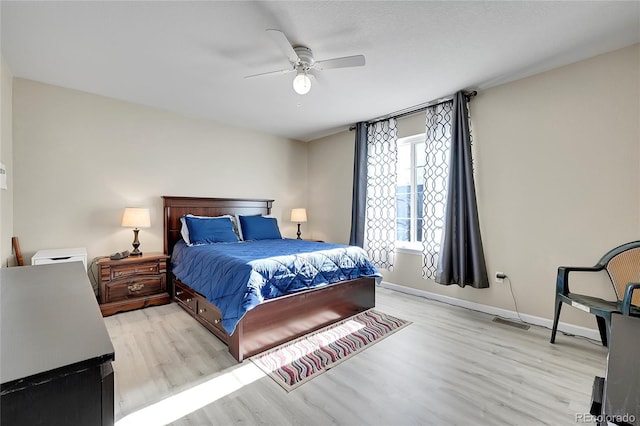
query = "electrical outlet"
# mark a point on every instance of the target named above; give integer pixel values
(500, 276)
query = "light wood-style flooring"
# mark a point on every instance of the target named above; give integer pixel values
(452, 366)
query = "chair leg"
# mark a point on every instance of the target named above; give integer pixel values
(556, 317)
(603, 327)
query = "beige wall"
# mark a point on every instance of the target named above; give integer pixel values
(6, 157)
(331, 187)
(80, 159)
(557, 175)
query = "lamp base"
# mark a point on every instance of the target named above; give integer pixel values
(299, 233)
(136, 244)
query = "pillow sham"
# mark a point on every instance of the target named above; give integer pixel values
(184, 230)
(239, 224)
(259, 228)
(205, 230)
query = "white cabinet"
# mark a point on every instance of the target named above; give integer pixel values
(43, 257)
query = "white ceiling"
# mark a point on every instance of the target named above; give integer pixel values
(191, 57)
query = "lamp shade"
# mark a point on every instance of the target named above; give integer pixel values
(298, 215)
(135, 217)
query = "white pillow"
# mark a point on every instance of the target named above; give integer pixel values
(184, 230)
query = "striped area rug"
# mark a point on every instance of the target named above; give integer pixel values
(300, 360)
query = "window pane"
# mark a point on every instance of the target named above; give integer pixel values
(403, 205)
(403, 229)
(403, 181)
(411, 166)
(420, 171)
(404, 156)
(421, 156)
(404, 168)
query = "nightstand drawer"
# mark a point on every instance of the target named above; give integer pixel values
(133, 287)
(122, 271)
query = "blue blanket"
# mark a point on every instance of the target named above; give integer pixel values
(238, 276)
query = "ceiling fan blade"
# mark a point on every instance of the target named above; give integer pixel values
(288, 70)
(344, 62)
(283, 43)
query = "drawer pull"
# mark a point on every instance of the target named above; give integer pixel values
(136, 287)
(188, 299)
(216, 321)
(202, 310)
(179, 292)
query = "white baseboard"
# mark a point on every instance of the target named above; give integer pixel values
(491, 310)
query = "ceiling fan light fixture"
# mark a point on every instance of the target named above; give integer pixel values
(302, 83)
(301, 61)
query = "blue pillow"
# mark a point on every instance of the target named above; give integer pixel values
(210, 230)
(259, 228)
(184, 229)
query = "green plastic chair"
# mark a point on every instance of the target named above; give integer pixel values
(623, 267)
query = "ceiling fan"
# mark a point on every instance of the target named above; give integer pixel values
(303, 63)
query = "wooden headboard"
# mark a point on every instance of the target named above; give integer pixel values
(176, 207)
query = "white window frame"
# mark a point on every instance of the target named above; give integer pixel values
(412, 246)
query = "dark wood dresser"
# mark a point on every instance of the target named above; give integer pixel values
(55, 352)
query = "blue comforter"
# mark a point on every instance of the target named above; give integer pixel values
(238, 276)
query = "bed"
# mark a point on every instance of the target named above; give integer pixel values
(274, 321)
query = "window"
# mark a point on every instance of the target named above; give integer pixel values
(410, 192)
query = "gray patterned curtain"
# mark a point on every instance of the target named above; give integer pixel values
(380, 226)
(461, 258)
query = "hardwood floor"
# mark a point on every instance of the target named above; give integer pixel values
(452, 366)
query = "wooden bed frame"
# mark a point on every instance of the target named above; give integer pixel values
(274, 321)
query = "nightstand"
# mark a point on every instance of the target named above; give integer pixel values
(132, 283)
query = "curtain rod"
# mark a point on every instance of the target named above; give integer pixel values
(416, 108)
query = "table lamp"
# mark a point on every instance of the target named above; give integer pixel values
(135, 217)
(299, 215)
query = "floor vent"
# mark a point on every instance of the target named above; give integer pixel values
(511, 323)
